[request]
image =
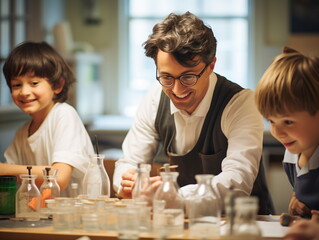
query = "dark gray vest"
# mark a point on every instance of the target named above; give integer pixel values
(211, 147)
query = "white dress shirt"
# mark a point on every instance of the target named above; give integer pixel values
(241, 124)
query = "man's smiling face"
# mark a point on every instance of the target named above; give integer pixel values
(184, 98)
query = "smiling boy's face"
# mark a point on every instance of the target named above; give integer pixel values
(297, 131)
(33, 95)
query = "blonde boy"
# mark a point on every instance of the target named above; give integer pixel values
(288, 97)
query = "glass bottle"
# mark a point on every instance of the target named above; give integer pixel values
(49, 189)
(142, 191)
(96, 182)
(28, 199)
(168, 207)
(8, 189)
(203, 211)
(246, 226)
(227, 230)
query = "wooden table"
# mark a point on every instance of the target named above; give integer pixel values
(47, 233)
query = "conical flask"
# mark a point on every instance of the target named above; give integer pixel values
(96, 182)
(203, 211)
(168, 207)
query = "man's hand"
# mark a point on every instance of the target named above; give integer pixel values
(156, 182)
(127, 184)
(297, 207)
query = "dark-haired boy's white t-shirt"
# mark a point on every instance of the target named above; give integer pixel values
(61, 138)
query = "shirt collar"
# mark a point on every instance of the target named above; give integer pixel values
(314, 160)
(311, 165)
(204, 105)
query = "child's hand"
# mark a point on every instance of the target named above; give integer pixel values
(297, 207)
(315, 215)
(304, 229)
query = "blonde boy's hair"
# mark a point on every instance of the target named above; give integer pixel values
(290, 84)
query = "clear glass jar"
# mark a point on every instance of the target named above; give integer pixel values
(246, 226)
(49, 189)
(168, 207)
(142, 191)
(28, 199)
(203, 212)
(65, 214)
(96, 182)
(128, 223)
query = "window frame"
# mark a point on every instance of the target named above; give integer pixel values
(124, 60)
(31, 20)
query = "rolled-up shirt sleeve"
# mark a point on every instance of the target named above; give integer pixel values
(243, 127)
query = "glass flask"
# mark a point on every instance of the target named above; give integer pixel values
(49, 189)
(246, 226)
(96, 182)
(142, 191)
(28, 199)
(168, 207)
(203, 211)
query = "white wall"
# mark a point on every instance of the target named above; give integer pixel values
(104, 39)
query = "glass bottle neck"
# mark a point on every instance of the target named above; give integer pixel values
(28, 178)
(169, 176)
(205, 179)
(96, 159)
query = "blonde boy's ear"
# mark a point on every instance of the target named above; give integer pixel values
(60, 87)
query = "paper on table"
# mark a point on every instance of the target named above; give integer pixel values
(272, 229)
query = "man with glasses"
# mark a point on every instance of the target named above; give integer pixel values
(205, 123)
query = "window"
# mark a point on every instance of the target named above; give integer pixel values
(229, 20)
(12, 32)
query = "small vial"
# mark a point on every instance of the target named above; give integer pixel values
(74, 190)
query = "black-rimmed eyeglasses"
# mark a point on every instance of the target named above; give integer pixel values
(187, 80)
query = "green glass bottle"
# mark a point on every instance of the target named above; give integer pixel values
(8, 189)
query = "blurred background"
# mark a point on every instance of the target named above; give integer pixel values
(102, 41)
